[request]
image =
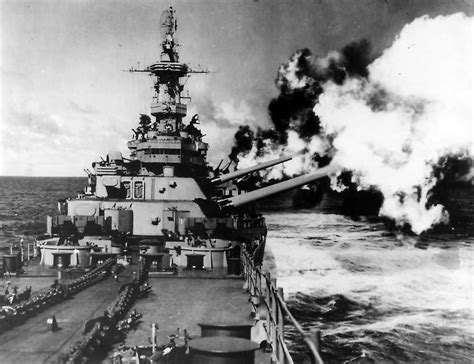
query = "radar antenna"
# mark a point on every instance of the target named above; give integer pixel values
(168, 26)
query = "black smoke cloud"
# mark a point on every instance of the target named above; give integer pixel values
(243, 142)
(300, 83)
(292, 109)
(454, 190)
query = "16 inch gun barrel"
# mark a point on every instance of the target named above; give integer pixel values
(255, 195)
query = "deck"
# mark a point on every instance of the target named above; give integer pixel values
(176, 301)
(33, 342)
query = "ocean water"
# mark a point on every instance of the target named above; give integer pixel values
(394, 297)
(26, 201)
(374, 292)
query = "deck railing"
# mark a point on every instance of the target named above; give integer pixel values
(27, 249)
(270, 309)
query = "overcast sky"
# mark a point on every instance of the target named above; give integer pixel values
(65, 99)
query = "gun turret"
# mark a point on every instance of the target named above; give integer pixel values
(242, 172)
(255, 195)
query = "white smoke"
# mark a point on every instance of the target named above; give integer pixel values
(300, 149)
(416, 107)
(288, 74)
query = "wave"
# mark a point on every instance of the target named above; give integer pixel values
(308, 308)
(26, 201)
(377, 296)
(355, 332)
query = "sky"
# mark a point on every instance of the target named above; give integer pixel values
(66, 100)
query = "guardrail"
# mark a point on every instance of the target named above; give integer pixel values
(270, 308)
(27, 249)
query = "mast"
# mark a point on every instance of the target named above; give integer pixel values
(166, 140)
(167, 106)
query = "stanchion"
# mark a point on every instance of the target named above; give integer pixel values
(60, 269)
(315, 337)
(280, 321)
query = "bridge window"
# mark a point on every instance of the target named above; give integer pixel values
(128, 192)
(163, 151)
(138, 189)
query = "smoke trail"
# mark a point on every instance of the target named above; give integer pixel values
(392, 128)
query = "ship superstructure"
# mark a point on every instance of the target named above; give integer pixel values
(162, 213)
(166, 190)
(154, 191)
(166, 187)
(167, 140)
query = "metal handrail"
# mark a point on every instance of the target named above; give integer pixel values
(275, 310)
(316, 358)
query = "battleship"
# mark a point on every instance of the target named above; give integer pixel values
(159, 259)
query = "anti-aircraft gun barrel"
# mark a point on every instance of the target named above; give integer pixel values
(255, 195)
(243, 172)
